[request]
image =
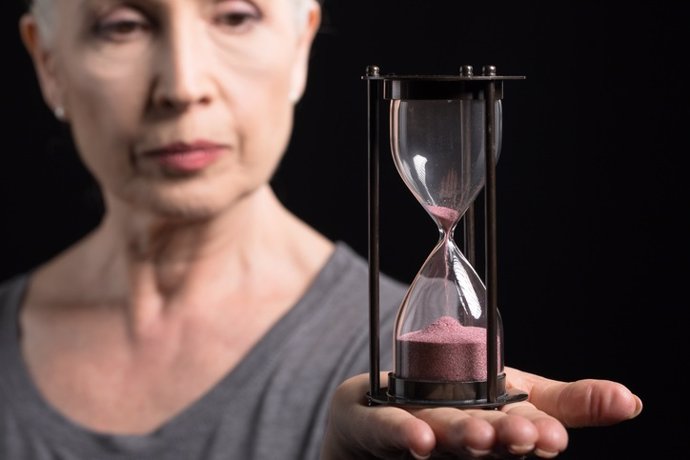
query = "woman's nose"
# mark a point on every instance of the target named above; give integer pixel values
(182, 70)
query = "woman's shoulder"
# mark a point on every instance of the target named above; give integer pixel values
(12, 289)
(12, 292)
(346, 259)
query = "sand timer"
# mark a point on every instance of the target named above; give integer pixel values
(445, 135)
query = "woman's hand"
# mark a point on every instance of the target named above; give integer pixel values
(535, 427)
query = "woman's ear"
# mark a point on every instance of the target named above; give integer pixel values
(43, 61)
(307, 32)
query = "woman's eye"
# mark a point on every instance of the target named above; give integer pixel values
(122, 26)
(236, 15)
(233, 19)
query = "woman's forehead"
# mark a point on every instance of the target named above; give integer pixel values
(31, 3)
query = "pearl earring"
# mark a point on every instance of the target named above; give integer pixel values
(59, 112)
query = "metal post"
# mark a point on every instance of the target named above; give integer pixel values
(373, 136)
(491, 258)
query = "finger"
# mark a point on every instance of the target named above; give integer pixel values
(481, 432)
(552, 437)
(517, 434)
(587, 402)
(458, 431)
(590, 402)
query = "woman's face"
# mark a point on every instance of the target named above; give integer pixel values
(180, 107)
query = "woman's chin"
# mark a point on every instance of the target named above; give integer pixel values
(188, 199)
(189, 211)
(176, 204)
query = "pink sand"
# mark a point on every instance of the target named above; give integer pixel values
(445, 350)
(446, 216)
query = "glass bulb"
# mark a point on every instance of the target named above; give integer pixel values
(438, 148)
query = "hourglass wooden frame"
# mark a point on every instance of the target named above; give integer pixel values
(487, 87)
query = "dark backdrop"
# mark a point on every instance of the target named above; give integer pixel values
(593, 255)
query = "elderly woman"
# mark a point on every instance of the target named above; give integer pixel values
(201, 319)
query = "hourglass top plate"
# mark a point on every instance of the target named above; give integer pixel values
(428, 87)
(458, 77)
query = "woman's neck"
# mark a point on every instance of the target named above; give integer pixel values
(142, 305)
(150, 267)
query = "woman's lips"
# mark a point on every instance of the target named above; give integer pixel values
(186, 157)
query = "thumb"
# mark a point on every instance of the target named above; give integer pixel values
(357, 430)
(587, 402)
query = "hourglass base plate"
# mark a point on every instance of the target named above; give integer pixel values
(407, 392)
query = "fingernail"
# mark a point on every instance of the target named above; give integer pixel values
(545, 454)
(477, 452)
(638, 407)
(419, 456)
(520, 449)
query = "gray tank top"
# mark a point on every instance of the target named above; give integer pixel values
(272, 405)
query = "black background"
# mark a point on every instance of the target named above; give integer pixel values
(592, 196)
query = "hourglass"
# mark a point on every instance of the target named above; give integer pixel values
(445, 135)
